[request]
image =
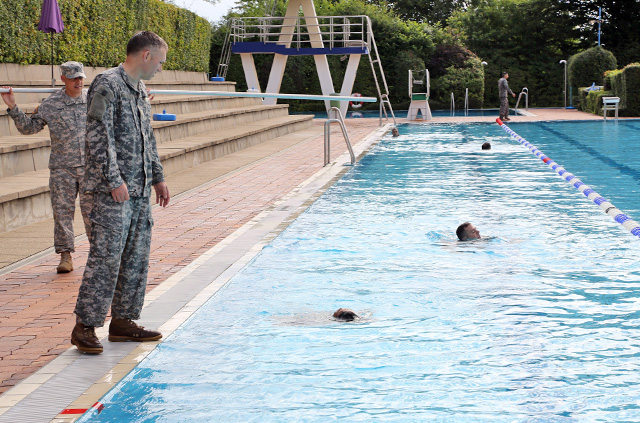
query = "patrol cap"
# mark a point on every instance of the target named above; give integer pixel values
(72, 70)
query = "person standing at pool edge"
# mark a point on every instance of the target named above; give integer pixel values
(122, 165)
(503, 90)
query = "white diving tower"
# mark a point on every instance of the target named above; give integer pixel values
(420, 81)
(310, 35)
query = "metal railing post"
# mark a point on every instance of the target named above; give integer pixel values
(327, 135)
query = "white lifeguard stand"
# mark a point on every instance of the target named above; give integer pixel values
(300, 32)
(419, 81)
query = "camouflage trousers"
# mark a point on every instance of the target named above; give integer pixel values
(504, 107)
(116, 270)
(65, 185)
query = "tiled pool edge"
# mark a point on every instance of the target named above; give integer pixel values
(75, 382)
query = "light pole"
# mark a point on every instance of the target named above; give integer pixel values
(564, 62)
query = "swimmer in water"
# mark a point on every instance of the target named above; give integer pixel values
(345, 314)
(486, 146)
(395, 132)
(467, 232)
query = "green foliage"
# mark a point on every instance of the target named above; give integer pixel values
(453, 68)
(589, 66)
(625, 83)
(591, 101)
(619, 25)
(431, 11)
(526, 38)
(96, 32)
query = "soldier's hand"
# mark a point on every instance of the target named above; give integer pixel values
(8, 98)
(514, 95)
(162, 194)
(120, 194)
(150, 96)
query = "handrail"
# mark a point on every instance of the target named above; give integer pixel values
(225, 56)
(524, 91)
(453, 106)
(346, 31)
(327, 135)
(219, 93)
(383, 101)
(466, 102)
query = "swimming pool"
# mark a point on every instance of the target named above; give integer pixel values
(400, 114)
(538, 322)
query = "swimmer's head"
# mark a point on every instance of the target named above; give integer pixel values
(345, 314)
(395, 132)
(467, 231)
(486, 146)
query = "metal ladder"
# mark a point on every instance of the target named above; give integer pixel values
(384, 97)
(327, 135)
(453, 106)
(225, 56)
(524, 91)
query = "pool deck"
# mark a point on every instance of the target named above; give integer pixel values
(221, 215)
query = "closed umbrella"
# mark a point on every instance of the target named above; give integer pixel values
(50, 22)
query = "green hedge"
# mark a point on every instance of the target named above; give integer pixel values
(96, 32)
(591, 101)
(625, 83)
(589, 66)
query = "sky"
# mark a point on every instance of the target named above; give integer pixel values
(206, 10)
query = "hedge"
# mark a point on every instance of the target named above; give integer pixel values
(589, 66)
(96, 32)
(625, 83)
(591, 101)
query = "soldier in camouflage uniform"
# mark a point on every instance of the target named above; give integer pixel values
(65, 112)
(503, 90)
(122, 165)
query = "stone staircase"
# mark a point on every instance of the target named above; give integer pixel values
(206, 128)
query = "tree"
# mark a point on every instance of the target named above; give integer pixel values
(527, 38)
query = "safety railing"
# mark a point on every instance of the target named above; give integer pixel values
(334, 111)
(524, 91)
(303, 31)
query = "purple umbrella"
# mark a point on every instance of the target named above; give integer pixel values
(50, 22)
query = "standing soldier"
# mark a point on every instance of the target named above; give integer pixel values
(65, 112)
(122, 165)
(503, 90)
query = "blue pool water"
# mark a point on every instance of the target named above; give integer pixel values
(539, 322)
(400, 114)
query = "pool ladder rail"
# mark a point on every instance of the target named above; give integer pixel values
(327, 135)
(524, 91)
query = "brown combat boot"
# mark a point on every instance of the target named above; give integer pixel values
(121, 330)
(85, 339)
(66, 264)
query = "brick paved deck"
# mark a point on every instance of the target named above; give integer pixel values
(36, 304)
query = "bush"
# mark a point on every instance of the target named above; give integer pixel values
(96, 32)
(592, 102)
(625, 83)
(589, 66)
(454, 68)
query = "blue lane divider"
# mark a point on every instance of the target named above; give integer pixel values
(609, 209)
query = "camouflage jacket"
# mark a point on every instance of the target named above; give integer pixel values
(120, 145)
(66, 117)
(503, 88)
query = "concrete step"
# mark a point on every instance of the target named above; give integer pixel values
(26, 153)
(190, 124)
(24, 198)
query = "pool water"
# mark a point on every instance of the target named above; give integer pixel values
(400, 114)
(538, 322)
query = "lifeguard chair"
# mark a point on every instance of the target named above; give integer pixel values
(299, 34)
(419, 90)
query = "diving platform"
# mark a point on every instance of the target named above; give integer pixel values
(258, 47)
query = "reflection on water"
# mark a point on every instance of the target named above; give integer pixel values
(538, 323)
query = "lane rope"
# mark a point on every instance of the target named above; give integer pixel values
(604, 205)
